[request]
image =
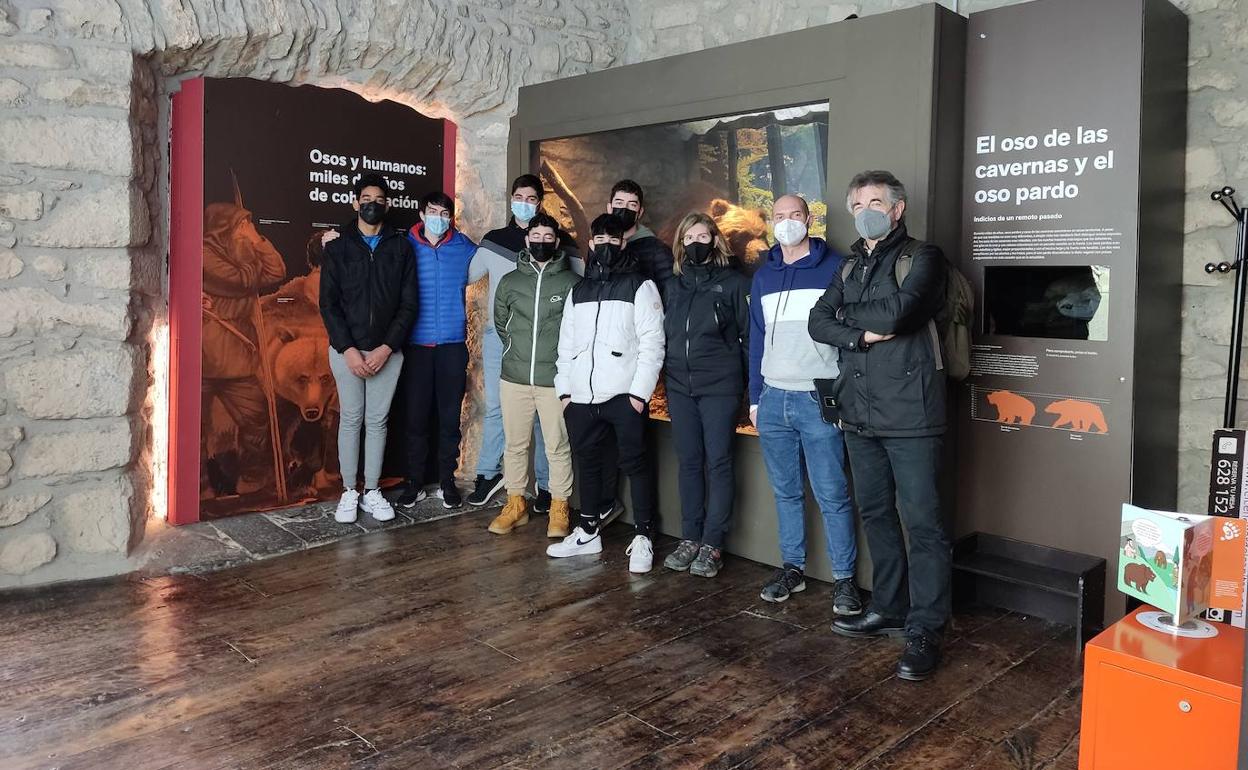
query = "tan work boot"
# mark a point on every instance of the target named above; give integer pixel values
(558, 525)
(515, 514)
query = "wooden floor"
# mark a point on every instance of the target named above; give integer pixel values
(442, 646)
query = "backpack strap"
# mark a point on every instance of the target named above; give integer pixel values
(847, 267)
(905, 260)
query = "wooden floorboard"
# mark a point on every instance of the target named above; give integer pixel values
(439, 645)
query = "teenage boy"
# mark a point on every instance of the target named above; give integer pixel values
(528, 310)
(368, 300)
(784, 406)
(435, 369)
(498, 256)
(610, 353)
(653, 256)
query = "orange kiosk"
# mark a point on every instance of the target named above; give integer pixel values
(1155, 699)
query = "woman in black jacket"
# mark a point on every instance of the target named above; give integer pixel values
(707, 326)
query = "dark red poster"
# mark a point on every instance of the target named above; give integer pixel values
(278, 163)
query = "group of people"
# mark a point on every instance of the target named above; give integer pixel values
(839, 356)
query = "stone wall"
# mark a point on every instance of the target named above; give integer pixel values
(83, 198)
(1217, 154)
(83, 208)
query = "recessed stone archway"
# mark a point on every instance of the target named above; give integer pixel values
(84, 211)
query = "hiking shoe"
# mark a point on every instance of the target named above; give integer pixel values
(377, 506)
(485, 489)
(640, 554)
(709, 560)
(558, 525)
(610, 513)
(576, 544)
(348, 507)
(515, 514)
(786, 581)
(541, 503)
(680, 559)
(412, 495)
(846, 600)
(451, 498)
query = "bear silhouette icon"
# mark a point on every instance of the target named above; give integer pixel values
(1138, 576)
(1079, 416)
(1012, 408)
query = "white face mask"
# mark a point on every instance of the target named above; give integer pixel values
(789, 232)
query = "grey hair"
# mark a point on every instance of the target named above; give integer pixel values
(896, 190)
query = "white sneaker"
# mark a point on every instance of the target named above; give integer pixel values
(377, 506)
(640, 554)
(575, 544)
(348, 506)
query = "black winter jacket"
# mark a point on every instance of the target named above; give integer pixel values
(653, 256)
(707, 324)
(894, 388)
(368, 297)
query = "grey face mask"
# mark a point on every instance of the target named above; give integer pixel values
(872, 225)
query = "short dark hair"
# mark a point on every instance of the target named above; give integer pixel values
(370, 180)
(630, 187)
(438, 198)
(606, 224)
(528, 180)
(542, 219)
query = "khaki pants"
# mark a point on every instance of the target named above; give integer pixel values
(519, 404)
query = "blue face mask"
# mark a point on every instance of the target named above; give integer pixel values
(436, 225)
(522, 211)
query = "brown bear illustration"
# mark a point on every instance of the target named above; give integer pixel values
(1012, 408)
(1080, 416)
(1138, 576)
(1160, 559)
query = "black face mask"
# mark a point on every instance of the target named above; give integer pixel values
(373, 212)
(698, 253)
(607, 254)
(541, 252)
(627, 216)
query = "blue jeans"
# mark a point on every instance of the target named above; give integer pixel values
(790, 429)
(490, 458)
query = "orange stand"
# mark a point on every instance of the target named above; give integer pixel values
(1151, 699)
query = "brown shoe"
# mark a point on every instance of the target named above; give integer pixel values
(558, 525)
(515, 514)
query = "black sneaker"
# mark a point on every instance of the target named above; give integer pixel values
(787, 580)
(451, 498)
(541, 503)
(485, 489)
(413, 494)
(680, 559)
(846, 600)
(920, 659)
(708, 563)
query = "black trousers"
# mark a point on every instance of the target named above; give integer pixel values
(895, 484)
(590, 428)
(434, 379)
(703, 428)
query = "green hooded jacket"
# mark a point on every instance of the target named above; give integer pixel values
(528, 308)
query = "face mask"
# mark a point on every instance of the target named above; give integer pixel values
(541, 251)
(522, 211)
(437, 225)
(627, 216)
(372, 212)
(606, 254)
(789, 232)
(872, 225)
(698, 253)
